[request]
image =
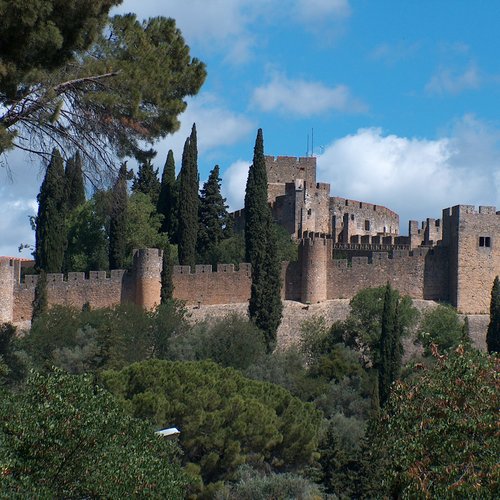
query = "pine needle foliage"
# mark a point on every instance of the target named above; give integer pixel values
(146, 181)
(188, 202)
(265, 306)
(118, 221)
(40, 302)
(168, 199)
(50, 221)
(390, 345)
(215, 224)
(75, 183)
(167, 285)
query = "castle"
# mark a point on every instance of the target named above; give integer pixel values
(344, 246)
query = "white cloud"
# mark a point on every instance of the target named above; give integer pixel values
(218, 24)
(20, 179)
(234, 181)
(416, 177)
(304, 98)
(448, 81)
(228, 25)
(216, 126)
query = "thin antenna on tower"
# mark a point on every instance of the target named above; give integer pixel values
(307, 150)
(312, 142)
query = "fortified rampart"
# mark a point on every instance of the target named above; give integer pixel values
(140, 286)
(352, 218)
(344, 246)
(284, 169)
(226, 286)
(300, 204)
(473, 239)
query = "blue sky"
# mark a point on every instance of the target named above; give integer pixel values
(403, 97)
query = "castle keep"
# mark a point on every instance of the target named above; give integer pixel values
(344, 246)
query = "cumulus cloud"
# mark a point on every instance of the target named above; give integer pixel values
(234, 181)
(218, 24)
(228, 25)
(216, 125)
(20, 179)
(448, 81)
(304, 98)
(416, 177)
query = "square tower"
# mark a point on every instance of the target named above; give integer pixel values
(473, 240)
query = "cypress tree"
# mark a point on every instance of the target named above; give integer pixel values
(168, 199)
(146, 181)
(40, 302)
(256, 207)
(390, 346)
(74, 181)
(214, 219)
(50, 222)
(188, 202)
(265, 307)
(118, 221)
(167, 285)
(493, 335)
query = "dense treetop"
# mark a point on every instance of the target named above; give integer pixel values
(63, 436)
(63, 78)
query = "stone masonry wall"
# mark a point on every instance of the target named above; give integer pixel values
(283, 169)
(476, 235)
(7, 283)
(411, 273)
(226, 286)
(379, 219)
(98, 290)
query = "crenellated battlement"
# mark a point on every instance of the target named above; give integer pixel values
(377, 257)
(203, 269)
(346, 202)
(304, 160)
(458, 210)
(53, 279)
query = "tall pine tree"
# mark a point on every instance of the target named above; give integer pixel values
(493, 334)
(167, 285)
(146, 181)
(389, 364)
(118, 220)
(50, 222)
(188, 201)
(40, 303)
(265, 306)
(168, 199)
(215, 223)
(75, 183)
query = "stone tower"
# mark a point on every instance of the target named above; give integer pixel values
(147, 275)
(472, 238)
(7, 283)
(315, 251)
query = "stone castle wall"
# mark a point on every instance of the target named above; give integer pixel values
(7, 283)
(283, 169)
(473, 237)
(358, 218)
(225, 286)
(421, 274)
(98, 291)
